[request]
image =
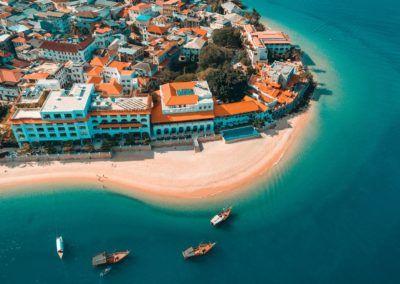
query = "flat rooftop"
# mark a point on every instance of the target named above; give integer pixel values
(24, 113)
(75, 100)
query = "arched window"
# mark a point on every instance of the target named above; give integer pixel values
(143, 120)
(166, 131)
(195, 128)
(181, 129)
(114, 121)
(158, 131)
(173, 130)
(188, 128)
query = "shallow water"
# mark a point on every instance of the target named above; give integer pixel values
(330, 215)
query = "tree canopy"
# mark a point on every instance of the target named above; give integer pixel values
(213, 56)
(186, 77)
(254, 18)
(227, 84)
(227, 37)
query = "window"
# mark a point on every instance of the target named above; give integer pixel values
(61, 129)
(82, 127)
(57, 116)
(50, 129)
(68, 115)
(53, 135)
(63, 135)
(71, 128)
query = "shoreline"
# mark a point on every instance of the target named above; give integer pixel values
(213, 173)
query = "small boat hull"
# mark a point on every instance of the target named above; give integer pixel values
(105, 258)
(60, 247)
(221, 216)
(202, 249)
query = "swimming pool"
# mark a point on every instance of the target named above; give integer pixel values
(238, 134)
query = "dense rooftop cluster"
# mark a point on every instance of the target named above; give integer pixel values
(79, 70)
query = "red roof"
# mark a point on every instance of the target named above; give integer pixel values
(87, 14)
(67, 47)
(5, 53)
(157, 30)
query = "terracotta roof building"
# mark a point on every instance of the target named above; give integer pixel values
(77, 50)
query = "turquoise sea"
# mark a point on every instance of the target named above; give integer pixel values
(329, 214)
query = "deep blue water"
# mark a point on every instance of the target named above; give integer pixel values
(330, 215)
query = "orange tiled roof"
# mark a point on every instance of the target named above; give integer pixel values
(37, 76)
(19, 39)
(10, 76)
(140, 7)
(171, 98)
(111, 89)
(118, 65)
(94, 80)
(99, 61)
(127, 72)
(157, 30)
(247, 105)
(95, 71)
(198, 31)
(103, 30)
(157, 117)
(124, 13)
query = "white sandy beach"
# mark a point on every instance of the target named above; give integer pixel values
(170, 173)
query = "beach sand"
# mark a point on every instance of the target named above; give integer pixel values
(168, 173)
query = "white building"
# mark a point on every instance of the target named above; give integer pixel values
(77, 50)
(259, 43)
(185, 109)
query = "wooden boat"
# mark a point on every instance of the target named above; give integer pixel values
(105, 258)
(202, 249)
(221, 216)
(60, 246)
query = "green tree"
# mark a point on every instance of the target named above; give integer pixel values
(215, 5)
(68, 147)
(227, 85)
(227, 37)
(258, 123)
(25, 149)
(106, 145)
(146, 138)
(186, 77)
(88, 147)
(4, 109)
(166, 76)
(213, 56)
(254, 19)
